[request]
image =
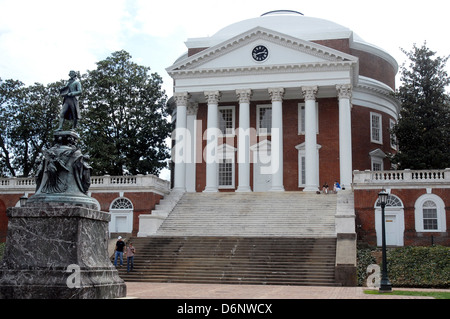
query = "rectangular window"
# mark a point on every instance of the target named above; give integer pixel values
(375, 128)
(301, 118)
(430, 221)
(226, 173)
(226, 120)
(264, 119)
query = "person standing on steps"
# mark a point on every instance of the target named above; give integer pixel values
(118, 252)
(130, 256)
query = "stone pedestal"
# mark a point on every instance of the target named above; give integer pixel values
(58, 251)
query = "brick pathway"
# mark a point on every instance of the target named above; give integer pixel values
(204, 291)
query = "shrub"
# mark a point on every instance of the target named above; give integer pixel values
(416, 267)
(419, 267)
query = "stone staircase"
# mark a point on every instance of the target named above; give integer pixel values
(286, 238)
(234, 260)
(286, 214)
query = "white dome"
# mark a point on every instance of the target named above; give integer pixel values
(295, 25)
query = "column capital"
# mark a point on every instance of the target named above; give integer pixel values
(344, 91)
(181, 98)
(212, 97)
(276, 94)
(244, 96)
(310, 92)
(192, 108)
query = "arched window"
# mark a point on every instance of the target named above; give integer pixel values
(430, 214)
(392, 201)
(122, 203)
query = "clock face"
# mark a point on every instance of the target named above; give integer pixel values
(260, 53)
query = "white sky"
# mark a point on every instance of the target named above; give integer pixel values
(42, 40)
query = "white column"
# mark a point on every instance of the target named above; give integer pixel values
(180, 154)
(345, 135)
(244, 97)
(311, 160)
(277, 139)
(191, 146)
(212, 135)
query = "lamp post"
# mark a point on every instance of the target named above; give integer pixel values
(385, 285)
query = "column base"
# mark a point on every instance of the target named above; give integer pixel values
(277, 189)
(244, 189)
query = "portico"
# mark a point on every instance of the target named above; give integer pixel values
(246, 137)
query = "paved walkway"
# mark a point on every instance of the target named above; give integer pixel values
(204, 291)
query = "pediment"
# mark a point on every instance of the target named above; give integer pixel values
(284, 51)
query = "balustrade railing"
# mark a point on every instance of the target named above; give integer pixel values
(410, 177)
(97, 183)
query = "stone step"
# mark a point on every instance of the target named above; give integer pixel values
(233, 260)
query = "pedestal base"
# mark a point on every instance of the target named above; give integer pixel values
(57, 251)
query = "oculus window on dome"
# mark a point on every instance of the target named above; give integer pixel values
(260, 53)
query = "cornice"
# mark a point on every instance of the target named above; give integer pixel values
(267, 69)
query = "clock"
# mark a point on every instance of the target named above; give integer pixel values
(260, 53)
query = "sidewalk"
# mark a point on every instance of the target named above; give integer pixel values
(205, 291)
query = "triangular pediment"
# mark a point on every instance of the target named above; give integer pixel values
(283, 51)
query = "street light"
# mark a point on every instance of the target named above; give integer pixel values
(385, 285)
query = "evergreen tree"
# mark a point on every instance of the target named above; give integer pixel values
(124, 123)
(423, 130)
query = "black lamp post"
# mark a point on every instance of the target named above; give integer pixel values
(385, 285)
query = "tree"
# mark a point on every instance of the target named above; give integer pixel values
(124, 123)
(423, 129)
(27, 115)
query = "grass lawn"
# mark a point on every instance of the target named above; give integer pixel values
(434, 294)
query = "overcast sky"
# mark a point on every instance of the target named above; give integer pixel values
(42, 40)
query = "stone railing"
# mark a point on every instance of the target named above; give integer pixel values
(406, 178)
(98, 183)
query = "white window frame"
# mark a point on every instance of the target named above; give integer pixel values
(231, 131)
(227, 153)
(380, 128)
(418, 213)
(301, 118)
(258, 128)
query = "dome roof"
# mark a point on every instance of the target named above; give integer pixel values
(290, 23)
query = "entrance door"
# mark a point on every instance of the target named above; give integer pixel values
(262, 172)
(391, 230)
(121, 224)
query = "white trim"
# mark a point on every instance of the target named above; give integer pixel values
(418, 213)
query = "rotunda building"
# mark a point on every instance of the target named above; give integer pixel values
(281, 102)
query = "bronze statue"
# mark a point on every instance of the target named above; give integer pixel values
(70, 109)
